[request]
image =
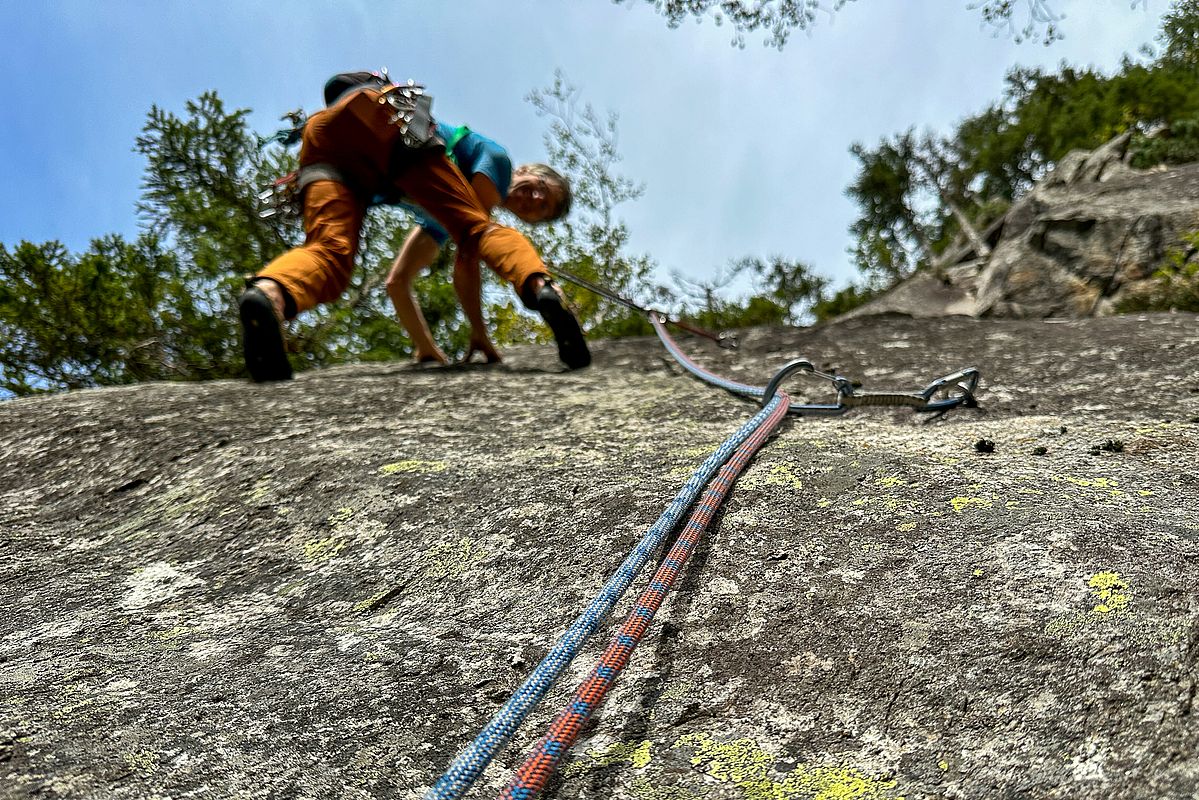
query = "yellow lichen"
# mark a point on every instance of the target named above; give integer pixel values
(452, 559)
(681, 690)
(414, 466)
(1112, 591)
(783, 475)
(960, 504)
(318, 550)
(746, 765)
(173, 633)
(143, 762)
(364, 605)
(636, 754)
(262, 488)
(906, 526)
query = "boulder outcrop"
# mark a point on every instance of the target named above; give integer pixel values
(1085, 238)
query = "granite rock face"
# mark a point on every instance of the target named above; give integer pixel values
(1088, 236)
(323, 589)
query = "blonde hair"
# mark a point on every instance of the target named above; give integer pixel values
(552, 176)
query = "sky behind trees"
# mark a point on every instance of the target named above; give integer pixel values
(743, 152)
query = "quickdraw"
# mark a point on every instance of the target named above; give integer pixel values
(952, 391)
(956, 390)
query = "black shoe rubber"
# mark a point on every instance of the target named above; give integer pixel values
(572, 347)
(262, 338)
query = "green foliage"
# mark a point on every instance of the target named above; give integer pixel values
(842, 302)
(779, 18)
(785, 293)
(118, 313)
(1174, 286)
(1180, 35)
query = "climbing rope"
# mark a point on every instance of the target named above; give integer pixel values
(532, 776)
(470, 763)
(730, 459)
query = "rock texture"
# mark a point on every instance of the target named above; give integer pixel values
(1088, 236)
(323, 589)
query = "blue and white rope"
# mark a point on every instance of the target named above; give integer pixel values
(471, 762)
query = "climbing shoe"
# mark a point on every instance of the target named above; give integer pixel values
(572, 347)
(262, 337)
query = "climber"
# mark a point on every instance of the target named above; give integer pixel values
(376, 142)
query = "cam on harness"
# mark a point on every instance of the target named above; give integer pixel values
(412, 114)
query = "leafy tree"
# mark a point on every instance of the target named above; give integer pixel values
(592, 242)
(119, 313)
(842, 301)
(786, 293)
(778, 18)
(1180, 35)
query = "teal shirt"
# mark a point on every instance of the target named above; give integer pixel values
(476, 155)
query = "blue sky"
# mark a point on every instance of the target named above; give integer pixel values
(742, 151)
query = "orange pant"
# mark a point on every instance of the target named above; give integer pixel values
(320, 270)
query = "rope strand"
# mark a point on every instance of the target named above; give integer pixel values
(531, 777)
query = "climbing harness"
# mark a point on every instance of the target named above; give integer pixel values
(285, 195)
(412, 114)
(731, 458)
